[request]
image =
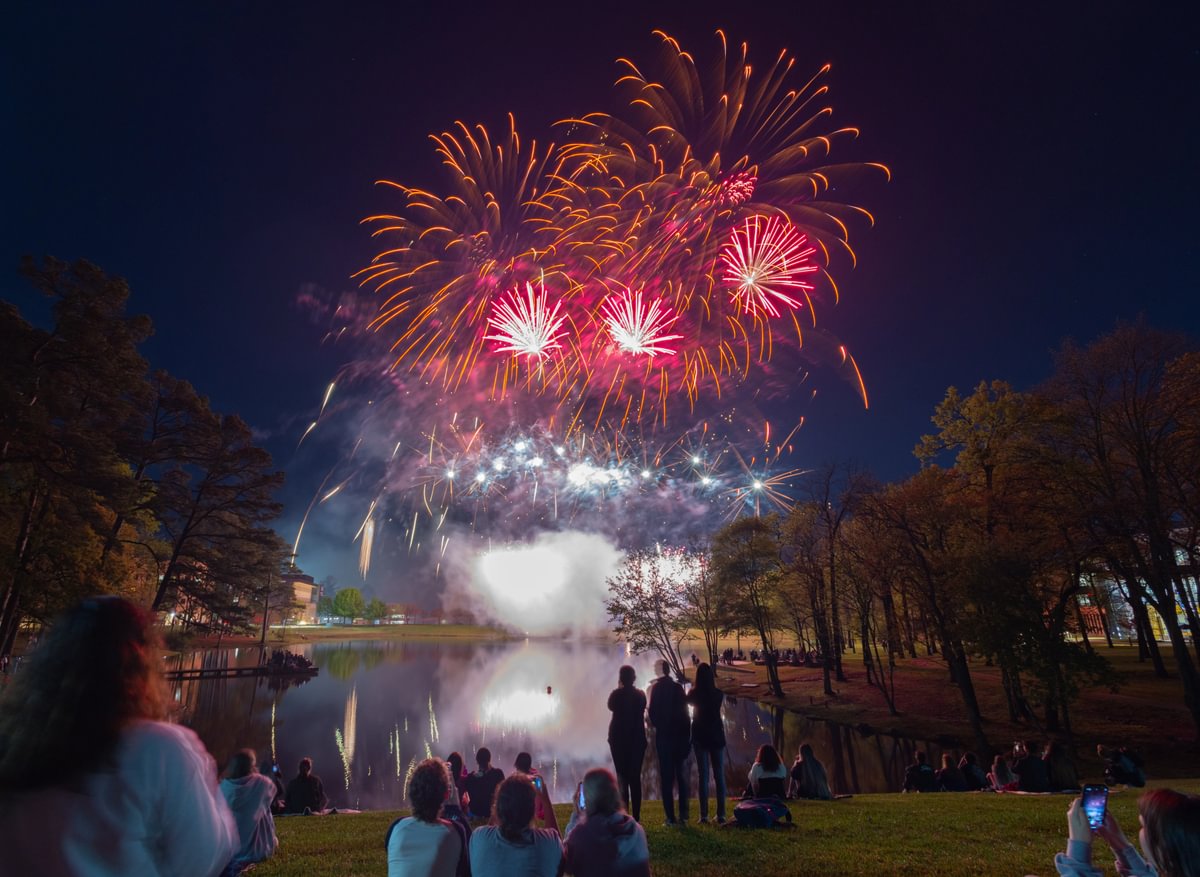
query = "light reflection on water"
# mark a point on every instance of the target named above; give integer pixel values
(378, 708)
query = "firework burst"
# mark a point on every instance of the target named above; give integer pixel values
(526, 325)
(638, 326)
(766, 262)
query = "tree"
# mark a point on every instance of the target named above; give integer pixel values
(746, 561)
(325, 607)
(348, 603)
(68, 404)
(646, 601)
(708, 605)
(376, 609)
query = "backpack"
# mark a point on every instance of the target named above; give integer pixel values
(762, 813)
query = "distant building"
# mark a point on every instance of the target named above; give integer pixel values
(304, 600)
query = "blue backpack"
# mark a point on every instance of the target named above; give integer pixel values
(762, 813)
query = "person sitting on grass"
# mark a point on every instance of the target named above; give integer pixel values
(458, 773)
(920, 777)
(950, 778)
(1029, 768)
(1121, 766)
(481, 785)
(305, 793)
(768, 776)
(524, 764)
(423, 845)
(1001, 777)
(1060, 769)
(602, 840)
(249, 795)
(93, 779)
(973, 774)
(510, 844)
(1169, 835)
(809, 779)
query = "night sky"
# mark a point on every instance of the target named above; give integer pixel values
(220, 157)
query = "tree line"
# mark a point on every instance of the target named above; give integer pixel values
(115, 478)
(1027, 509)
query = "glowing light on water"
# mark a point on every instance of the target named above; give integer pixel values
(346, 740)
(528, 709)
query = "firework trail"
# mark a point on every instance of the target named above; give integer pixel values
(583, 334)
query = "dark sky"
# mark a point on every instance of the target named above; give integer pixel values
(220, 156)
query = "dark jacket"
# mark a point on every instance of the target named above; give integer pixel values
(482, 789)
(305, 792)
(951, 779)
(628, 724)
(1031, 774)
(668, 712)
(708, 731)
(920, 778)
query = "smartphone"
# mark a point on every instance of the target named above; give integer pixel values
(537, 783)
(1095, 801)
(582, 800)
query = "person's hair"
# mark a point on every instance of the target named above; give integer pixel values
(705, 681)
(305, 766)
(767, 757)
(947, 759)
(626, 675)
(483, 757)
(428, 788)
(806, 752)
(515, 804)
(1172, 824)
(968, 758)
(456, 765)
(921, 756)
(664, 667)
(524, 762)
(600, 792)
(97, 669)
(241, 764)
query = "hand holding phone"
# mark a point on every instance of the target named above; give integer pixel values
(1095, 802)
(537, 782)
(582, 799)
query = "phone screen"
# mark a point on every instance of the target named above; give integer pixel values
(582, 801)
(1095, 800)
(537, 782)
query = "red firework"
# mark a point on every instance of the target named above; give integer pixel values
(638, 326)
(765, 261)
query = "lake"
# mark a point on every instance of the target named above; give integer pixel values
(379, 707)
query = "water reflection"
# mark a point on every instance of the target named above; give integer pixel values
(378, 708)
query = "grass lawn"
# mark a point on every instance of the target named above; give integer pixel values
(931, 835)
(1145, 712)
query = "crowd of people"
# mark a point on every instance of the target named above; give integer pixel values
(95, 781)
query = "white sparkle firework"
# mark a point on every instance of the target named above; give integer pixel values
(637, 326)
(765, 263)
(525, 325)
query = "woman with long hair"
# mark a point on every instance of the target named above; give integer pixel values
(92, 779)
(708, 737)
(511, 845)
(1169, 835)
(768, 776)
(809, 778)
(602, 840)
(424, 844)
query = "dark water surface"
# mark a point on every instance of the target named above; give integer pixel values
(379, 707)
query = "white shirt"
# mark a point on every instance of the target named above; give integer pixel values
(157, 812)
(423, 849)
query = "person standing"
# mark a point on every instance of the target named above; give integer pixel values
(708, 737)
(305, 794)
(627, 737)
(672, 740)
(92, 780)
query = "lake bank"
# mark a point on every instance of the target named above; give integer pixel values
(1145, 712)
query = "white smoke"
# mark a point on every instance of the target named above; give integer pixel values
(555, 584)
